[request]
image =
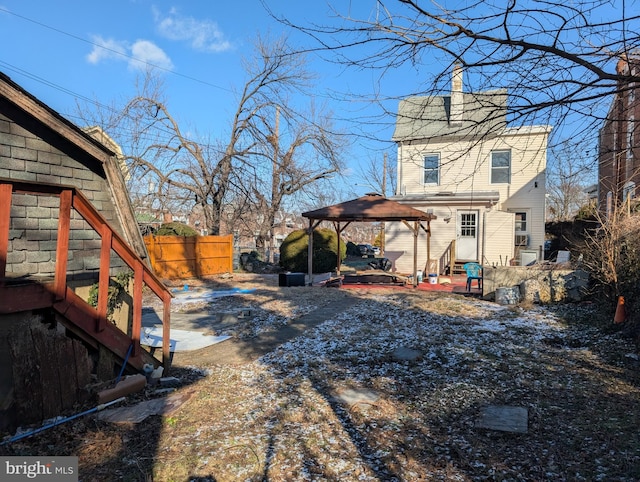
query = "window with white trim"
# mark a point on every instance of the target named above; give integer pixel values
(521, 227)
(501, 167)
(432, 169)
(521, 222)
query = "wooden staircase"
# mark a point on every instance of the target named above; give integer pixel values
(89, 323)
(448, 264)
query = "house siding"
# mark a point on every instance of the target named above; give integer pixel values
(465, 184)
(34, 219)
(498, 243)
(466, 165)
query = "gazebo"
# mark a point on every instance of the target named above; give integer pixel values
(370, 208)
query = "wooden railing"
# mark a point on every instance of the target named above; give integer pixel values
(63, 296)
(448, 258)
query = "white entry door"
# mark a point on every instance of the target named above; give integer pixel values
(467, 235)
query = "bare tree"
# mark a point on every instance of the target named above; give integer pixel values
(160, 155)
(569, 175)
(298, 151)
(212, 174)
(378, 175)
(612, 251)
(555, 57)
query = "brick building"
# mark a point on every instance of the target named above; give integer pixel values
(619, 151)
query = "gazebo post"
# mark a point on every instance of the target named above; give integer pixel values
(428, 247)
(415, 253)
(338, 260)
(310, 252)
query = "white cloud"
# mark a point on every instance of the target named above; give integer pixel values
(145, 52)
(106, 49)
(140, 55)
(203, 35)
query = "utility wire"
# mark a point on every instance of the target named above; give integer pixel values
(76, 37)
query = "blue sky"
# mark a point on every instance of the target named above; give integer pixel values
(70, 50)
(74, 50)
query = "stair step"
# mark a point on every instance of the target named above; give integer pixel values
(458, 266)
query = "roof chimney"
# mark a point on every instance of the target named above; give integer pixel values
(457, 101)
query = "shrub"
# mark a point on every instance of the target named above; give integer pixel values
(176, 229)
(117, 289)
(379, 241)
(294, 251)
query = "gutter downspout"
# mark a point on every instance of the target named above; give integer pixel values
(484, 236)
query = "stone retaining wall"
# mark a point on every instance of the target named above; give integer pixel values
(539, 284)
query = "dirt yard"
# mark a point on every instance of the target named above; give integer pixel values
(377, 385)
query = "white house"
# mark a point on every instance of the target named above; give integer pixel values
(483, 180)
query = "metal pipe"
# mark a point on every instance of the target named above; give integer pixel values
(59, 422)
(124, 365)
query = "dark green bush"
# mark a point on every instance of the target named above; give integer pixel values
(295, 247)
(176, 229)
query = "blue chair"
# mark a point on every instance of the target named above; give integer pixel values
(474, 272)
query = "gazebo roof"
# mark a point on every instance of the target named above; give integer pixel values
(369, 208)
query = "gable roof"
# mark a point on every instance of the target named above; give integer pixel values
(423, 117)
(25, 108)
(369, 208)
(37, 117)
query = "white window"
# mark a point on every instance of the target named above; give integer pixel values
(432, 169)
(501, 167)
(521, 222)
(521, 227)
(468, 225)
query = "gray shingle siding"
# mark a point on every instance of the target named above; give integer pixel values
(34, 219)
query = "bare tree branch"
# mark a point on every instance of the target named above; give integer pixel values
(556, 58)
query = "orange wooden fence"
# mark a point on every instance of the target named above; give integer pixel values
(190, 257)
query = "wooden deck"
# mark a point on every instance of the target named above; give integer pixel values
(457, 284)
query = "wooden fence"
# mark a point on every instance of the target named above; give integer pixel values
(190, 257)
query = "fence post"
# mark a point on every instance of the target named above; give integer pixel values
(6, 191)
(62, 247)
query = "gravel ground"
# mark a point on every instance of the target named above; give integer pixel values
(390, 388)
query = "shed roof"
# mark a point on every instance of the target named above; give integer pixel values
(371, 208)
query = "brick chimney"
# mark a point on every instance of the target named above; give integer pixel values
(622, 67)
(457, 100)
